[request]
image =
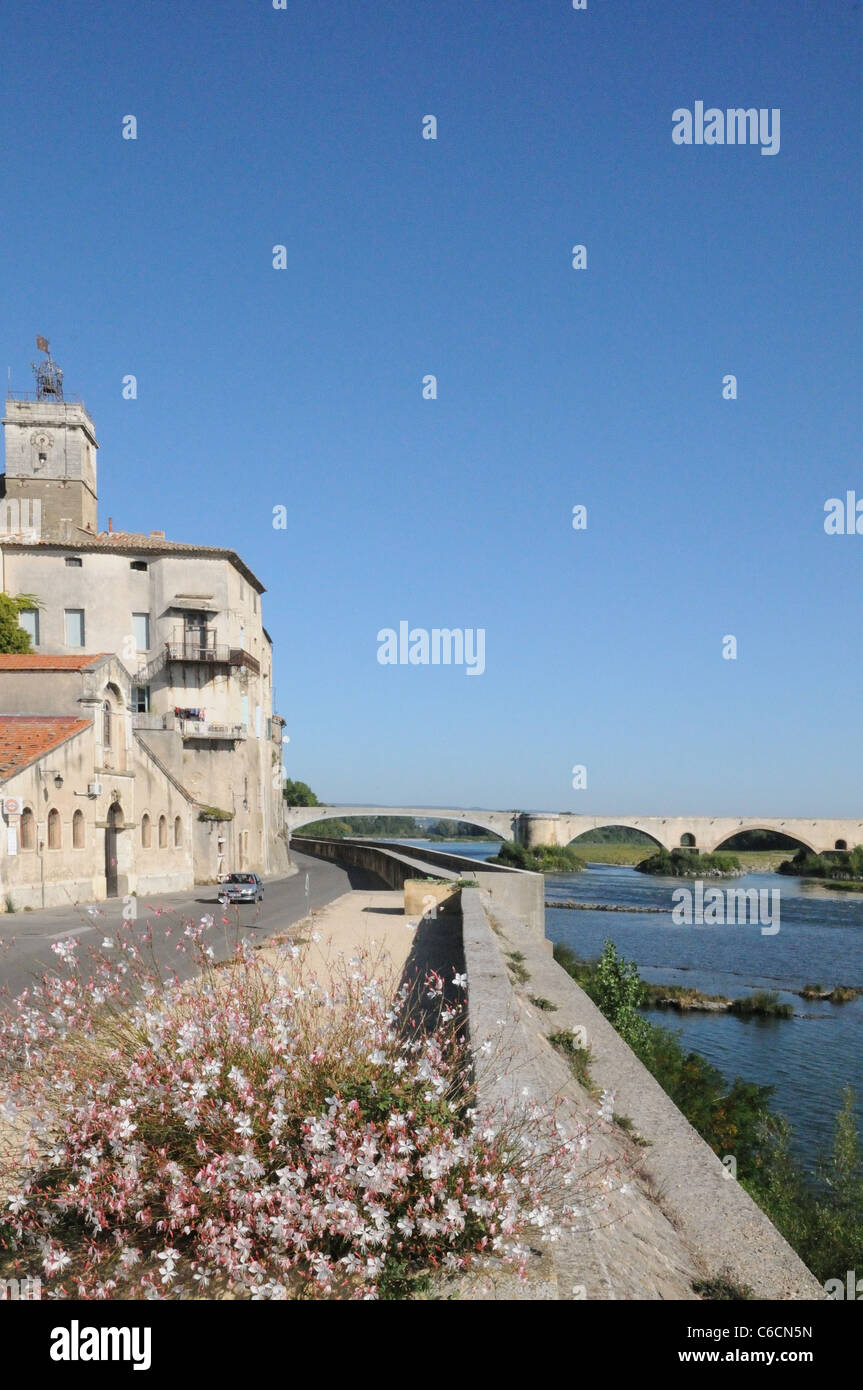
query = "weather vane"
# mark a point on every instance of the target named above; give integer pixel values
(49, 377)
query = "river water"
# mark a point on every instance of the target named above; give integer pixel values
(809, 1058)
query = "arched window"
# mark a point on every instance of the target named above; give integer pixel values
(146, 831)
(106, 724)
(841, 844)
(178, 832)
(78, 830)
(163, 832)
(54, 831)
(687, 841)
(28, 829)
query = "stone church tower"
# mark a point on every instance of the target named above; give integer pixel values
(50, 482)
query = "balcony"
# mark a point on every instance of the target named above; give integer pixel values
(207, 728)
(189, 728)
(152, 723)
(197, 647)
(198, 651)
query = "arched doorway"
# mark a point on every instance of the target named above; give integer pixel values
(112, 833)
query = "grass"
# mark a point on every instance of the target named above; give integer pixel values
(628, 1127)
(723, 1289)
(517, 967)
(840, 994)
(539, 1003)
(579, 1058)
(680, 997)
(10, 906)
(763, 1004)
(610, 853)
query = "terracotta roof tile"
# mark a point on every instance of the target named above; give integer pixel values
(24, 738)
(36, 661)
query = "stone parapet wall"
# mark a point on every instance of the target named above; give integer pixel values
(684, 1220)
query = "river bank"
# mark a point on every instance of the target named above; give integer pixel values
(807, 1058)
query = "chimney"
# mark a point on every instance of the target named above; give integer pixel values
(157, 535)
(110, 523)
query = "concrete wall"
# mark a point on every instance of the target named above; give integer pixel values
(678, 1218)
(521, 892)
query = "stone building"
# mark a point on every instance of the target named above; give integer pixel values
(89, 810)
(191, 686)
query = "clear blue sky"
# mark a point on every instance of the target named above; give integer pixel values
(405, 257)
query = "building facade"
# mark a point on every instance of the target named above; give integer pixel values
(192, 680)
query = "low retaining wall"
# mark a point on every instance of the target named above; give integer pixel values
(686, 1220)
(518, 890)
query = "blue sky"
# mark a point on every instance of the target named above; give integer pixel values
(302, 387)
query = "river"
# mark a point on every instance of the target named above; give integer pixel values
(809, 1058)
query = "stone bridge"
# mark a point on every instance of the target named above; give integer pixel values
(531, 828)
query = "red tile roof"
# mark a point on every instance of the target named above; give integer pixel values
(24, 738)
(35, 661)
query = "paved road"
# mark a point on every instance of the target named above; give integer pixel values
(26, 937)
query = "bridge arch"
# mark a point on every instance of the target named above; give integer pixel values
(616, 825)
(799, 840)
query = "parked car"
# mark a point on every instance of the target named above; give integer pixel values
(241, 888)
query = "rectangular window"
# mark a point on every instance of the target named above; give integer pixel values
(137, 564)
(74, 561)
(140, 699)
(74, 627)
(28, 618)
(141, 631)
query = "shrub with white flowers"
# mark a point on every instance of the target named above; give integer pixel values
(258, 1132)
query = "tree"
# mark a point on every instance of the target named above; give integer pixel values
(299, 794)
(13, 638)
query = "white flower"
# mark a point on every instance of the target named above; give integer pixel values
(460, 981)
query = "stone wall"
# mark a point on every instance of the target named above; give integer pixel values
(394, 862)
(674, 1218)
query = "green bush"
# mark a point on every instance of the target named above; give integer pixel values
(687, 863)
(542, 859)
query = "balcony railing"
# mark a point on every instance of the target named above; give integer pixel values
(152, 722)
(201, 653)
(195, 651)
(242, 658)
(66, 398)
(207, 728)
